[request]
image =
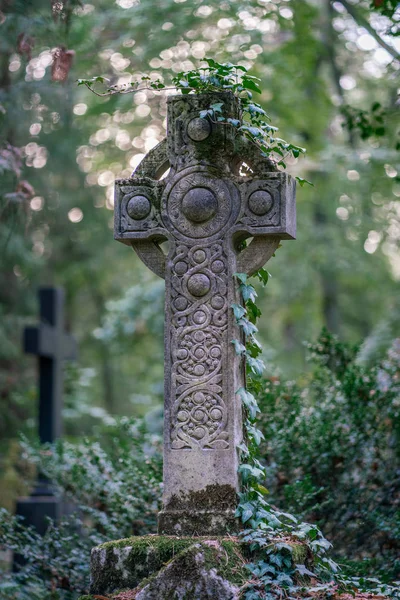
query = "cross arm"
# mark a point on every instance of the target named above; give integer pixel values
(268, 215)
(137, 219)
(42, 341)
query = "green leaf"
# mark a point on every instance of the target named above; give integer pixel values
(241, 276)
(250, 84)
(217, 107)
(248, 327)
(248, 471)
(302, 569)
(304, 181)
(263, 491)
(249, 401)
(243, 448)
(253, 311)
(248, 292)
(263, 275)
(239, 348)
(256, 365)
(238, 310)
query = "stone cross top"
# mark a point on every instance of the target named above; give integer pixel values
(205, 209)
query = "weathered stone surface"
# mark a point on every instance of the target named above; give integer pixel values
(169, 568)
(190, 575)
(205, 209)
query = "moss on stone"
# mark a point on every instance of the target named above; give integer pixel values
(222, 496)
(126, 563)
(208, 564)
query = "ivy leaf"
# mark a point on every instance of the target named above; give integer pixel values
(302, 569)
(262, 275)
(239, 347)
(248, 471)
(247, 510)
(249, 401)
(302, 181)
(265, 492)
(243, 448)
(248, 292)
(250, 84)
(256, 365)
(276, 559)
(256, 434)
(238, 310)
(217, 107)
(241, 276)
(248, 327)
(284, 578)
(253, 347)
(253, 311)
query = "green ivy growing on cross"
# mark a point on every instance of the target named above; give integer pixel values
(253, 123)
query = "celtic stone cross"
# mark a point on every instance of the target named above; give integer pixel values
(204, 208)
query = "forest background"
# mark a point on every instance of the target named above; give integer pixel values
(329, 74)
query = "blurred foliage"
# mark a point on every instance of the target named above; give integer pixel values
(332, 446)
(331, 453)
(61, 148)
(116, 488)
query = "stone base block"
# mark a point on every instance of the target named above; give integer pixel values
(169, 568)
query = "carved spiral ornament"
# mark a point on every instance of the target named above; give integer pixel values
(200, 314)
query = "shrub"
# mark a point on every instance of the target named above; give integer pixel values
(333, 450)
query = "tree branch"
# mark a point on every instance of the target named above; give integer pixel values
(362, 22)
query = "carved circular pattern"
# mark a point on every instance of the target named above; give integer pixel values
(260, 202)
(199, 284)
(201, 416)
(199, 256)
(200, 309)
(138, 207)
(199, 204)
(198, 129)
(217, 302)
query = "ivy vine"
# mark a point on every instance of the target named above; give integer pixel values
(290, 557)
(253, 123)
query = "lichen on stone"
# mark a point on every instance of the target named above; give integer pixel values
(138, 563)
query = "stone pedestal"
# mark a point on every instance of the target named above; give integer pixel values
(164, 567)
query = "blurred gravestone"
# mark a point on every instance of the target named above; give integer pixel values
(52, 346)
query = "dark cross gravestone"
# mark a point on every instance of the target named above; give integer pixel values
(205, 209)
(52, 346)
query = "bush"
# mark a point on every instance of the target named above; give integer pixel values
(333, 450)
(332, 454)
(116, 487)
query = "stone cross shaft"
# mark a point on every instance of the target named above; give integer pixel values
(51, 345)
(204, 208)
